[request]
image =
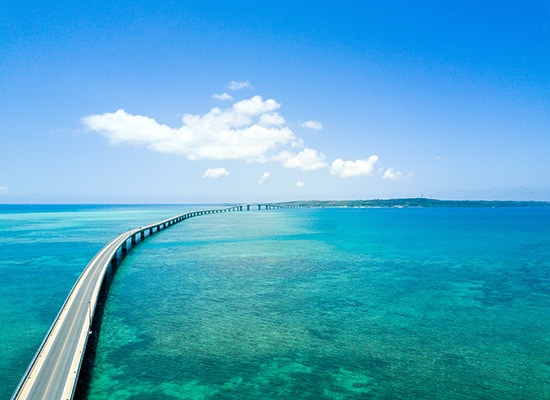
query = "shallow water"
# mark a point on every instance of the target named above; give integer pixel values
(43, 250)
(335, 304)
(307, 303)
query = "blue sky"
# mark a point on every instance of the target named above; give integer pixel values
(185, 102)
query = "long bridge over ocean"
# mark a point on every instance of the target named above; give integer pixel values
(53, 372)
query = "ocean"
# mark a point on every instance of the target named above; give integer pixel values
(318, 303)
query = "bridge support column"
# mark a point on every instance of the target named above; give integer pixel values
(133, 239)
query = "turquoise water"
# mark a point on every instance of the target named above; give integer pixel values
(449, 303)
(43, 250)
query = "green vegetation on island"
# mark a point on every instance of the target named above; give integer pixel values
(414, 202)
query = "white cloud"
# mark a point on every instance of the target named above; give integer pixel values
(255, 106)
(271, 119)
(250, 130)
(4, 189)
(307, 160)
(300, 184)
(316, 125)
(215, 173)
(346, 169)
(264, 178)
(247, 131)
(395, 176)
(235, 85)
(223, 96)
(392, 175)
(122, 127)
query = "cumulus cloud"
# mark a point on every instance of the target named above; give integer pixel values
(250, 130)
(316, 125)
(300, 184)
(215, 173)
(223, 96)
(396, 176)
(346, 169)
(247, 131)
(306, 160)
(255, 106)
(392, 175)
(264, 178)
(4, 189)
(271, 119)
(235, 85)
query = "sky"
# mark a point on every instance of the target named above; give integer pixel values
(251, 101)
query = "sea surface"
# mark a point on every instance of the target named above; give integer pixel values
(328, 303)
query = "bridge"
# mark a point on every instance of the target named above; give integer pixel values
(54, 370)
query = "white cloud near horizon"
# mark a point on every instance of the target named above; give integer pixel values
(223, 96)
(247, 131)
(300, 184)
(235, 85)
(392, 175)
(306, 160)
(311, 124)
(264, 178)
(347, 169)
(396, 176)
(215, 173)
(4, 189)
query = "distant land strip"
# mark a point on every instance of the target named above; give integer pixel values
(414, 202)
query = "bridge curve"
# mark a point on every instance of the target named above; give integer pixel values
(54, 370)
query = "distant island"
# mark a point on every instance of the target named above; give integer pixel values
(414, 202)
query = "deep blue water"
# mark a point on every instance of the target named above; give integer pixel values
(428, 303)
